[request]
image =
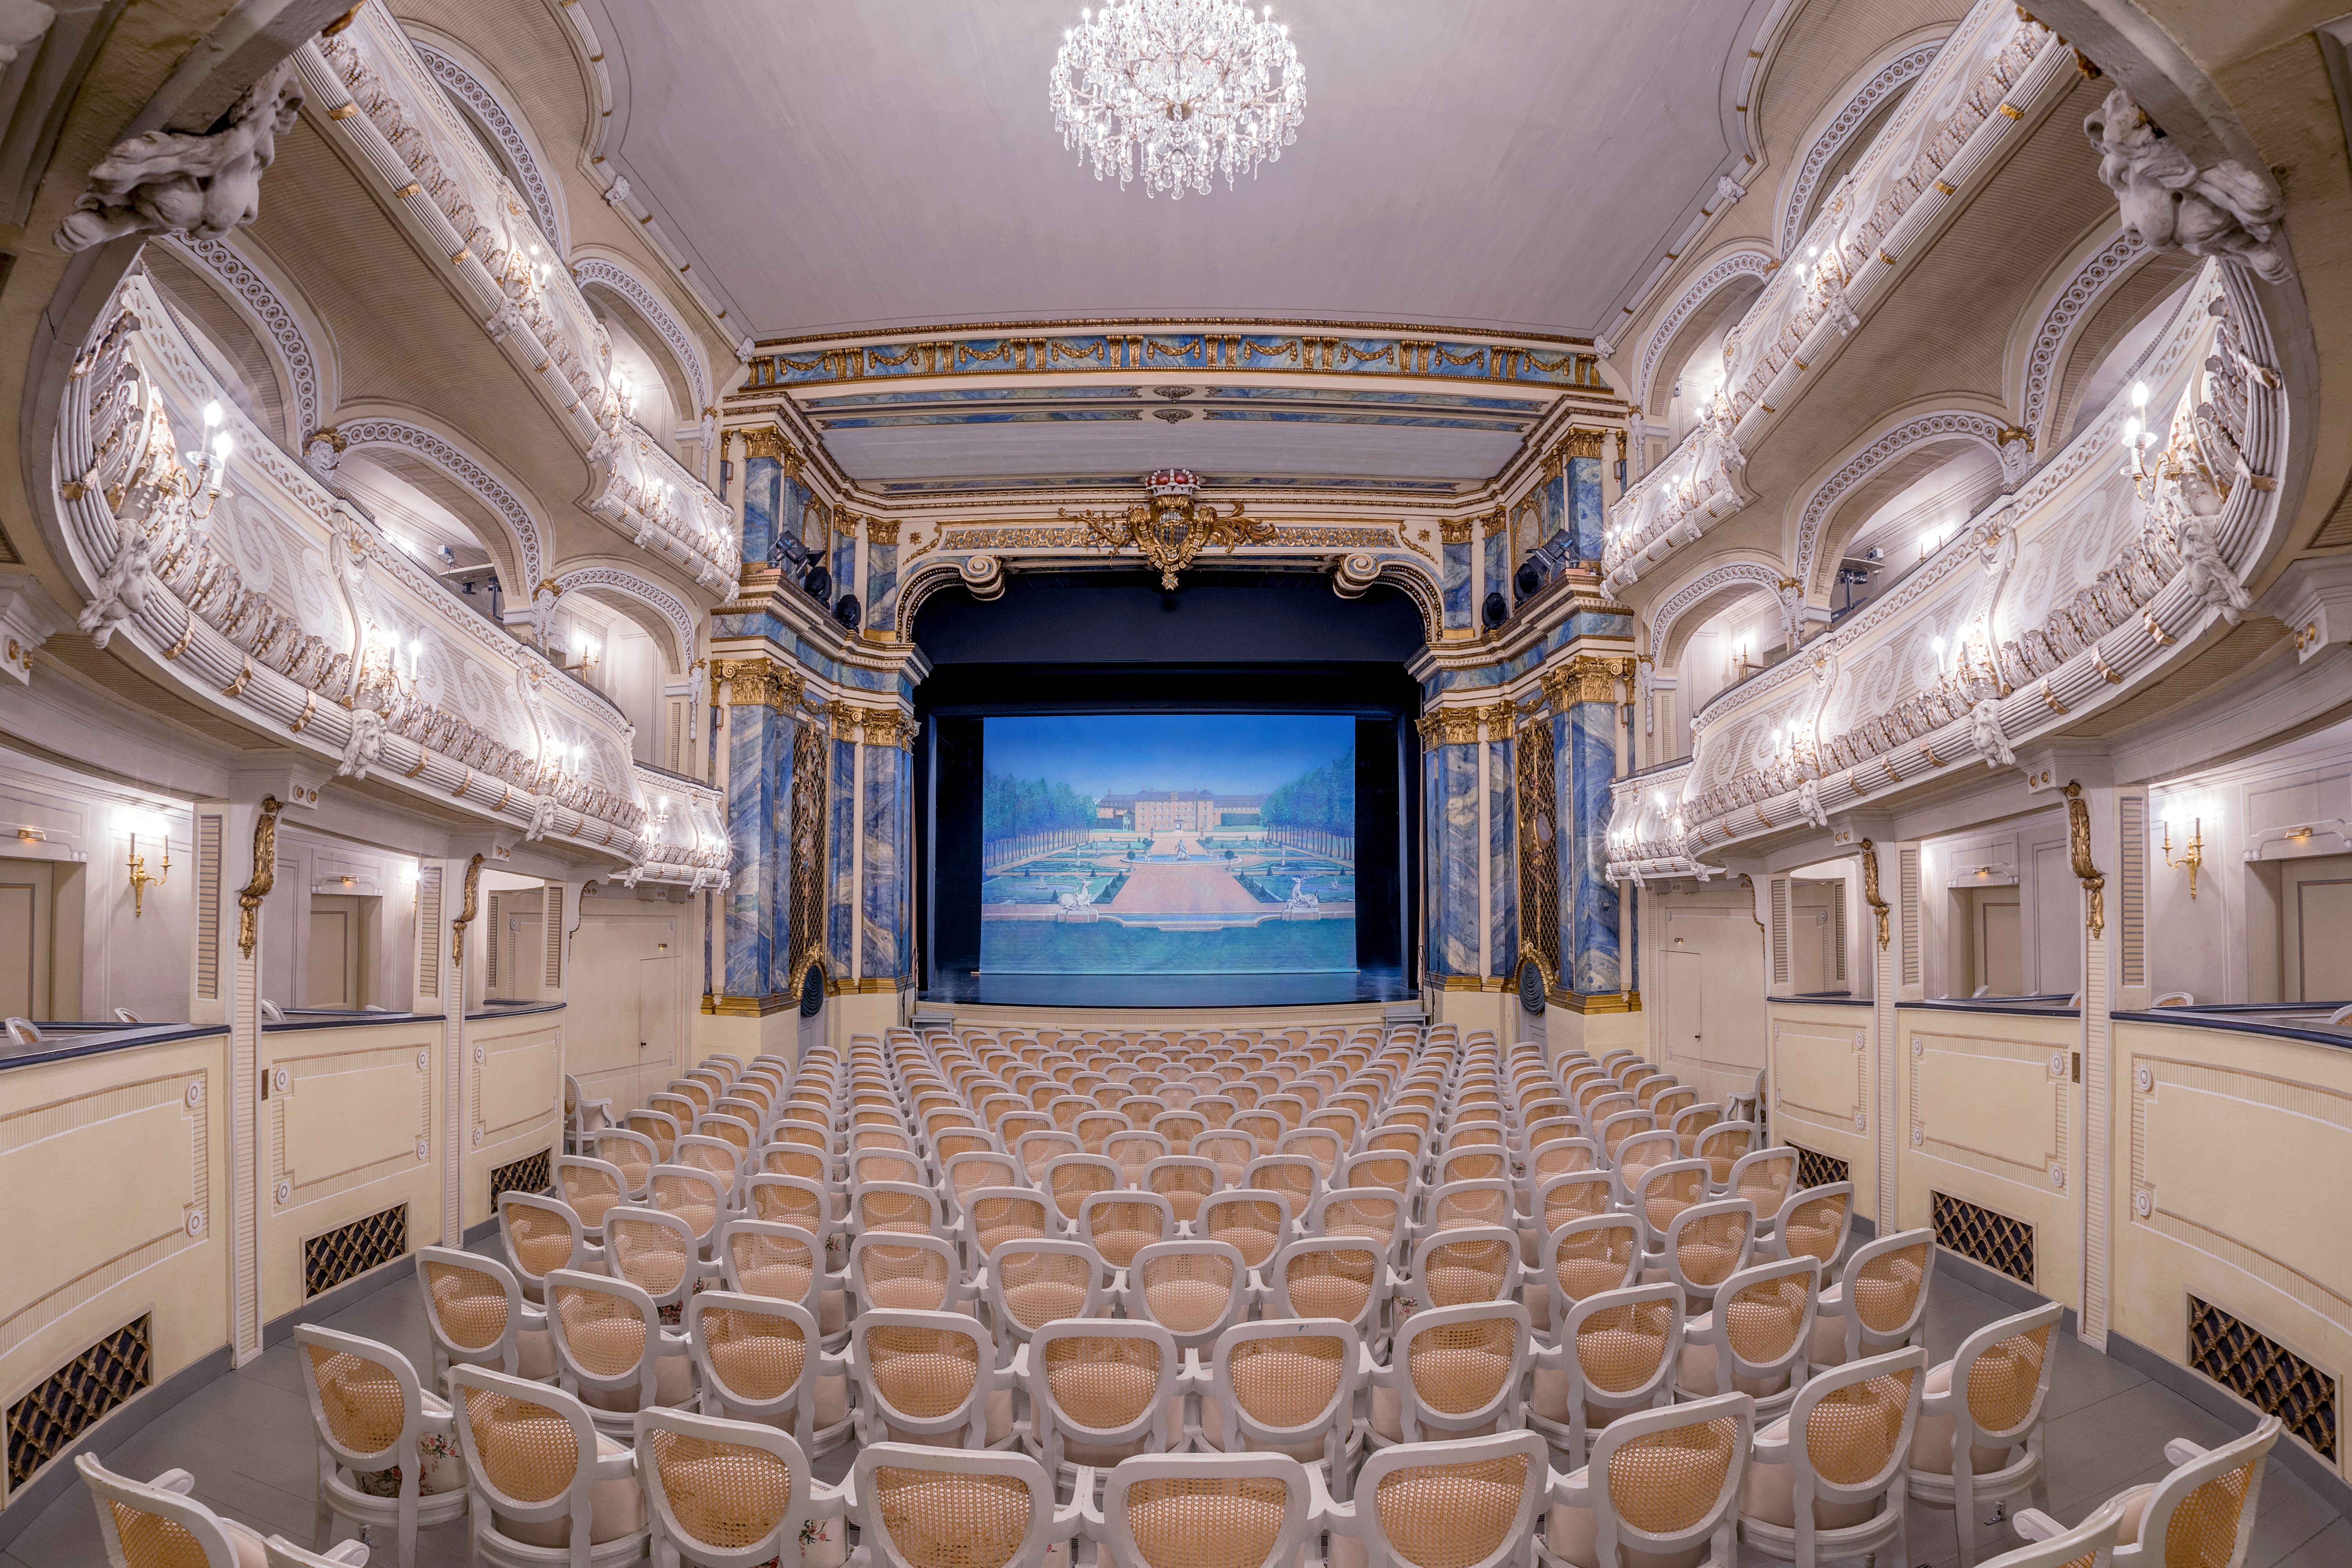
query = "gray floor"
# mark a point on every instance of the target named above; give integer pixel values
(247, 1438)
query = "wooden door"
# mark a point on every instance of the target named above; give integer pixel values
(2000, 949)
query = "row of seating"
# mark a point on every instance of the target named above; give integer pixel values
(1476, 1264)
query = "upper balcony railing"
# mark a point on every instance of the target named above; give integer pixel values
(388, 113)
(1983, 86)
(260, 593)
(2073, 592)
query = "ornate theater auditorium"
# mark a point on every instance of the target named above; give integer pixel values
(1175, 783)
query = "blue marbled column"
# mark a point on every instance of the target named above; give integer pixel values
(777, 892)
(1584, 507)
(1554, 497)
(1498, 560)
(841, 855)
(1455, 578)
(762, 485)
(1457, 767)
(759, 762)
(881, 574)
(882, 934)
(1502, 863)
(1433, 856)
(1588, 910)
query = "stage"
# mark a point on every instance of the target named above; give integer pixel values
(1174, 990)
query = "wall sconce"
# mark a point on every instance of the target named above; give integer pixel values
(1741, 668)
(210, 460)
(587, 665)
(139, 881)
(2192, 854)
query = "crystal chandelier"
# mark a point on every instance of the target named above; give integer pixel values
(1187, 88)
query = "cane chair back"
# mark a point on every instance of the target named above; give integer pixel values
(1467, 1503)
(1724, 1146)
(1320, 1277)
(1586, 1256)
(726, 1493)
(154, 1524)
(1459, 1268)
(1038, 1149)
(1562, 1157)
(779, 1262)
(920, 1507)
(1033, 1282)
(1644, 1153)
(1257, 1222)
(1755, 1340)
(779, 1199)
(1133, 1152)
(632, 1154)
(733, 1123)
(679, 1108)
(1321, 1146)
(1185, 1181)
(1662, 1486)
(1102, 1390)
(899, 1272)
(1615, 1130)
(1978, 1411)
(1463, 1205)
(867, 1166)
(1230, 1150)
(531, 1458)
(895, 1209)
(922, 1377)
(1204, 1510)
(1576, 1196)
(2202, 1514)
(1070, 1180)
(1120, 1223)
(1845, 1442)
(1194, 1289)
(609, 1345)
(1480, 1162)
(656, 1127)
(1456, 1371)
(474, 1308)
(1284, 1387)
(995, 1215)
(658, 1254)
(1180, 1127)
(541, 1235)
(1372, 1214)
(1618, 1352)
(1391, 1169)
(368, 1409)
(758, 1359)
(1690, 1120)
(1706, 1244)
(1814, 1223)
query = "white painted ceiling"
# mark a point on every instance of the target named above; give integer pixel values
(864, 165)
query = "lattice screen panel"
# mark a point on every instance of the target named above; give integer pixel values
(1538, 798)
(1977, 1233)
(69, 1401)
(812, 760)
(350, 1250)
(1821, 1170)
(530, 1175)
(2264, 1372)
(208, 907)
(428, 923)
(553, 927)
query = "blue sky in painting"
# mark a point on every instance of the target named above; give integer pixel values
(1104, 754)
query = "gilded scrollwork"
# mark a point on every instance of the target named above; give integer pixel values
(2078, 844)
(265, 875)
(466, 912)
(1870, 889)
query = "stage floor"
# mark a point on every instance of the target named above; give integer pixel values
(1174, 990)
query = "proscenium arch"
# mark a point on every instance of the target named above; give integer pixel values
(1893, 442)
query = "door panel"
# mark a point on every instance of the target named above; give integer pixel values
(18, 919)
(657, 1008)
(2323, 945)
(326, 960)
(2000, 949)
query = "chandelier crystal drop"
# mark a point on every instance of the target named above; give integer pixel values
(1176, 91)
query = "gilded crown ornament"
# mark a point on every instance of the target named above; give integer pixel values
(1175, 92)
(1171, 527)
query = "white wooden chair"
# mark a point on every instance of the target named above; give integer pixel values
(927, 1508)
(1662, 1487)
(1980, 1437)
(1467, 1503)
(1828, 1480)
(538, 1476)
(763, 1360)
(156, 1524)
(2199, 1516)
(726, 1494)
(476, 1314)
(386, 1455)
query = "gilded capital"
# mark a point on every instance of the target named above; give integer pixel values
(1449, 727)
(1580, 443)
(1585, 679)
(754, 682)
(1494, 522)
(1454, 531)
(1499, 718)
(765, 443)
(881, 530)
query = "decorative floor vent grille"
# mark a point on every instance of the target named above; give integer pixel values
(2264, 1372)
(1975, 1232)
(529, 1174)
(350, 1250)
(1819, 1170)
(71, 1400)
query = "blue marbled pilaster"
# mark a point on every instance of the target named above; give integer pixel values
(881, 574)
(762, 481)
(1497, 546)
(1554, 498)
(1584, 505)
(1457, 768)
(756, 768)
(1502, 865)
(1456, 583)
(844, 558)
(841, 845)
(881, 930)
(1433, 862)
(1589, 915)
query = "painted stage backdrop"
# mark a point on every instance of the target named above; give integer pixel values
(1169, 844)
